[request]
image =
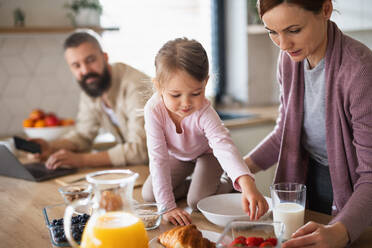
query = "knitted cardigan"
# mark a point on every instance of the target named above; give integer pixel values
(348, 67)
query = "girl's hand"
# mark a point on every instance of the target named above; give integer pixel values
(254, 204)
(178, 216)
(317, 235)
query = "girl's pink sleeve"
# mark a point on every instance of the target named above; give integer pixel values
(158, 157)
(223, 147)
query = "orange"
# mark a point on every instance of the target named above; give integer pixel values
(67, 122)
(36, 114)
(40, 123)
(28, 123)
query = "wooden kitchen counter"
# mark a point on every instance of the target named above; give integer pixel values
(261, 115)
(23, 225)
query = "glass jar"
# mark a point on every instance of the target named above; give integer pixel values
(113, 222)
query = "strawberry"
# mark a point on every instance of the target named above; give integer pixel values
(273, 241)
(238, 242)
(266, 244)
(254, 241)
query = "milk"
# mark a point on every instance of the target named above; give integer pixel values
(291, 214)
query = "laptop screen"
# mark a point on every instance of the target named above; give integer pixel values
(10, 166)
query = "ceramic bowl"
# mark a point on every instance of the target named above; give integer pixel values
(47, 133)
(224, 208)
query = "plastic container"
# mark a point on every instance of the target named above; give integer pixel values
(53, 214)
(260, 229)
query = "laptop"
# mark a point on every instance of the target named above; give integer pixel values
(10, 166)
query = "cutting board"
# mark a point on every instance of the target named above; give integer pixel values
(79, 177)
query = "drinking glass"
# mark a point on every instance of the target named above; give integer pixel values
(289, 206)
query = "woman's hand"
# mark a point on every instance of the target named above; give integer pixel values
(178, 216)
(252, 200)
(65, 157)
(317, 235)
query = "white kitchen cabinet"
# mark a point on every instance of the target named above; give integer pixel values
(246, 138)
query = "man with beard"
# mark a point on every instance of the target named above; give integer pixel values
(112, 98)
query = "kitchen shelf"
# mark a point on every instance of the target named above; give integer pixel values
(61, 29)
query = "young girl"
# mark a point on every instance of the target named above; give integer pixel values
(185, 135)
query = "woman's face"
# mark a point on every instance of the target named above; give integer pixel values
(300, 33)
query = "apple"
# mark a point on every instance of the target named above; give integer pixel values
(52, 114)
(51, 120)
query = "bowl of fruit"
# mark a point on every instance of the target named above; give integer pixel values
(48, 126)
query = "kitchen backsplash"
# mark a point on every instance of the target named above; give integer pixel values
(34, 74)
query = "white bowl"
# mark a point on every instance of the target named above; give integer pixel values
(47, 133)
(223, 208)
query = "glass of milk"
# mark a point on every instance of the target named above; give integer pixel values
(289, 206)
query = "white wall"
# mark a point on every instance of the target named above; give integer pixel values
(355, 19)
(37, 12)
(262, 61)
(353, 15)
(34, 74)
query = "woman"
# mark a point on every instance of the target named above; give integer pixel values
(323, 136)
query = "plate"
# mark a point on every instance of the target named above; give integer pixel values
(223, 208)
(212, 236)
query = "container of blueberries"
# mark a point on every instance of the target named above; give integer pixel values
(54, 221)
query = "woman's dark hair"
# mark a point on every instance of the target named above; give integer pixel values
(181, 54)
(314, 6)
(80, 37)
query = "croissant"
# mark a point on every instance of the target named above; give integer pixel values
(185, 237)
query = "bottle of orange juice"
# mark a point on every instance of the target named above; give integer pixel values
(112, 223)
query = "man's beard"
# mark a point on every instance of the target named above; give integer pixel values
(97, 87)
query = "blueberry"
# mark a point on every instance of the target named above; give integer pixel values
(60, 239)
(58, 231)
(76, 236)
(86, 217)
(59, 222)
(74, 220)
(64, 237)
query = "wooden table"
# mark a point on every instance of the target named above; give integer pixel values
(22, 221)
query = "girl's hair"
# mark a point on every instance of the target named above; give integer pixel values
(181, 54)
(314, 6)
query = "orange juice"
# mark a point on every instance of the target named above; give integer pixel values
(115, 229)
